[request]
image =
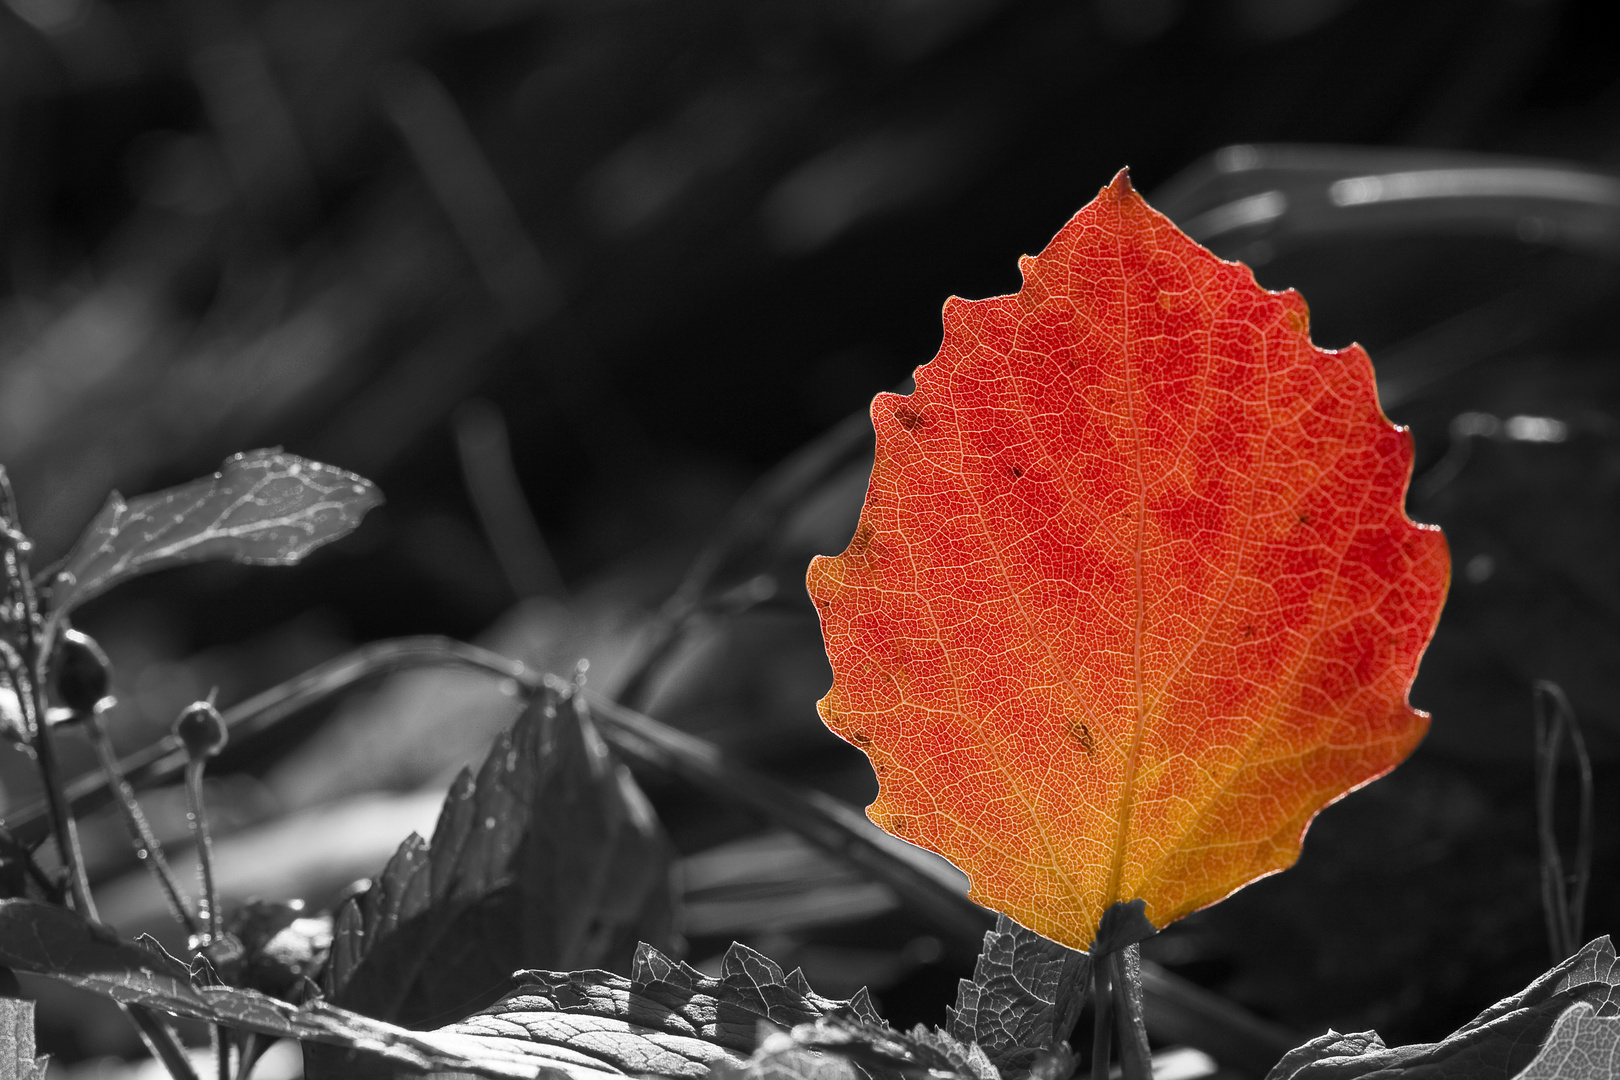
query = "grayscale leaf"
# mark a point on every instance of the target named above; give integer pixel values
(44, 939)
(1581, 1046)
(549, 857)
(1024, 998)
(839, 1048)
(1497, 1044)
(666, 1019)
(265, 507)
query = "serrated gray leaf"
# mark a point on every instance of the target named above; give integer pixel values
(1024, 998)
(724, 1010)
(1581, 1046)
(265, 507)
(531, 1023)
(1497, 1044)
(666, 1019)
(840, 1047)
(548, 857)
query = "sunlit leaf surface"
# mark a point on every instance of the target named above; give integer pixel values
(1133, 594)
(265, 506)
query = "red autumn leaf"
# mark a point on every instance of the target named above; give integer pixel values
(1133, 595)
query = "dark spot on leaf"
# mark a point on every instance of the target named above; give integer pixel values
(909, 418)
(1014, 471)
(1248, 630)
(862, 541)
(900, 823)
(1305, 517)
(861, 738)
(1081, 734)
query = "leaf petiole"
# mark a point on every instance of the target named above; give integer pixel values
(1135, 1059)
(1102, 1005)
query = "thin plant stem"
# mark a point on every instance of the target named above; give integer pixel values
(209, 908)
(1102, 1018)
(159, 1037)
(147, 847)
(162, 1041)
(222, 1052)
(166, 759)
(17, 678)
(30, 700)
(29, 686)
(249, 1052)
(1135, 1058)
(485, 449)
(62, 823)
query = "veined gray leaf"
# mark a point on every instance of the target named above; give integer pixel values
(667, 1019)
(1581, 1046)
(1497, 1044)
(839, 1048)
(265, 507)
(1024, 998)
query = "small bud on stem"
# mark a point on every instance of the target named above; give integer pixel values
(202, 731)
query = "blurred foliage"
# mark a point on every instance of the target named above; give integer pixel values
(562, 276)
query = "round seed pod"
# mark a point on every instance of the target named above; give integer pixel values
(80, 674)
(202, 730)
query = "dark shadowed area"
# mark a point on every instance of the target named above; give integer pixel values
(565, 277)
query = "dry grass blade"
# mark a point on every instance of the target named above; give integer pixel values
(748, 525)
(1242, 193)
(1563, 894)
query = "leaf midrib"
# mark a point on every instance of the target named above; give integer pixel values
(1127, 794)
